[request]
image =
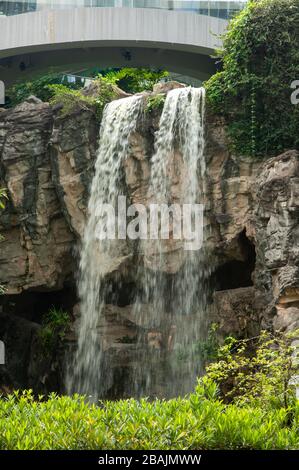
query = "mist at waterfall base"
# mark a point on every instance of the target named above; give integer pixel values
(169, 303)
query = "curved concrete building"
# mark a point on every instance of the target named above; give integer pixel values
(180, 36)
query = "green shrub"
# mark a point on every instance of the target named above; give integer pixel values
(54, 325)
(257, 371)
(70, 100)
(199, 421)
(257, 417)
(260, 61)
(155, 102)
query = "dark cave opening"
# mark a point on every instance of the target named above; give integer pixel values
(237, 273)
(33, 305)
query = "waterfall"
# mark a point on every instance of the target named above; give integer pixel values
(177, 301)
(170, 295)
(119, 121)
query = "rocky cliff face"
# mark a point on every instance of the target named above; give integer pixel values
(277, 239)
(46, 164)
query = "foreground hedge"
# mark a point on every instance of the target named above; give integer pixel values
(199, 421)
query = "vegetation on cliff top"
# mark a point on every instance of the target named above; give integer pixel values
(45, 87)
(39, 87)
(260, 61)
(252, 92)
(69, 100)
(70, 96)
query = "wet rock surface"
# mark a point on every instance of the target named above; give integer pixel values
(252, 233)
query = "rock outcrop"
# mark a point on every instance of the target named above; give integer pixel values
(251, 218)
(277, 239)
(35, 251)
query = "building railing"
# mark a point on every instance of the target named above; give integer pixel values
(217, 8)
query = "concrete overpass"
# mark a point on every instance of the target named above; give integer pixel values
(74, 36)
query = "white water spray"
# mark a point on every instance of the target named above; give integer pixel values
(119, 121)
(177, 301)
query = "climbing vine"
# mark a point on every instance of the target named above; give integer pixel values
(260, 60)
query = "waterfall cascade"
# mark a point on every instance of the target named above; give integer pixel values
(119, 121)
(175, 299)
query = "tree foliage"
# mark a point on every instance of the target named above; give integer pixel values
(39, 87)
(260, 61)
(134, 80)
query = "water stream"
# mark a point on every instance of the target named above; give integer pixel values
(176, 294)
(119, 121)
(171, 280)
